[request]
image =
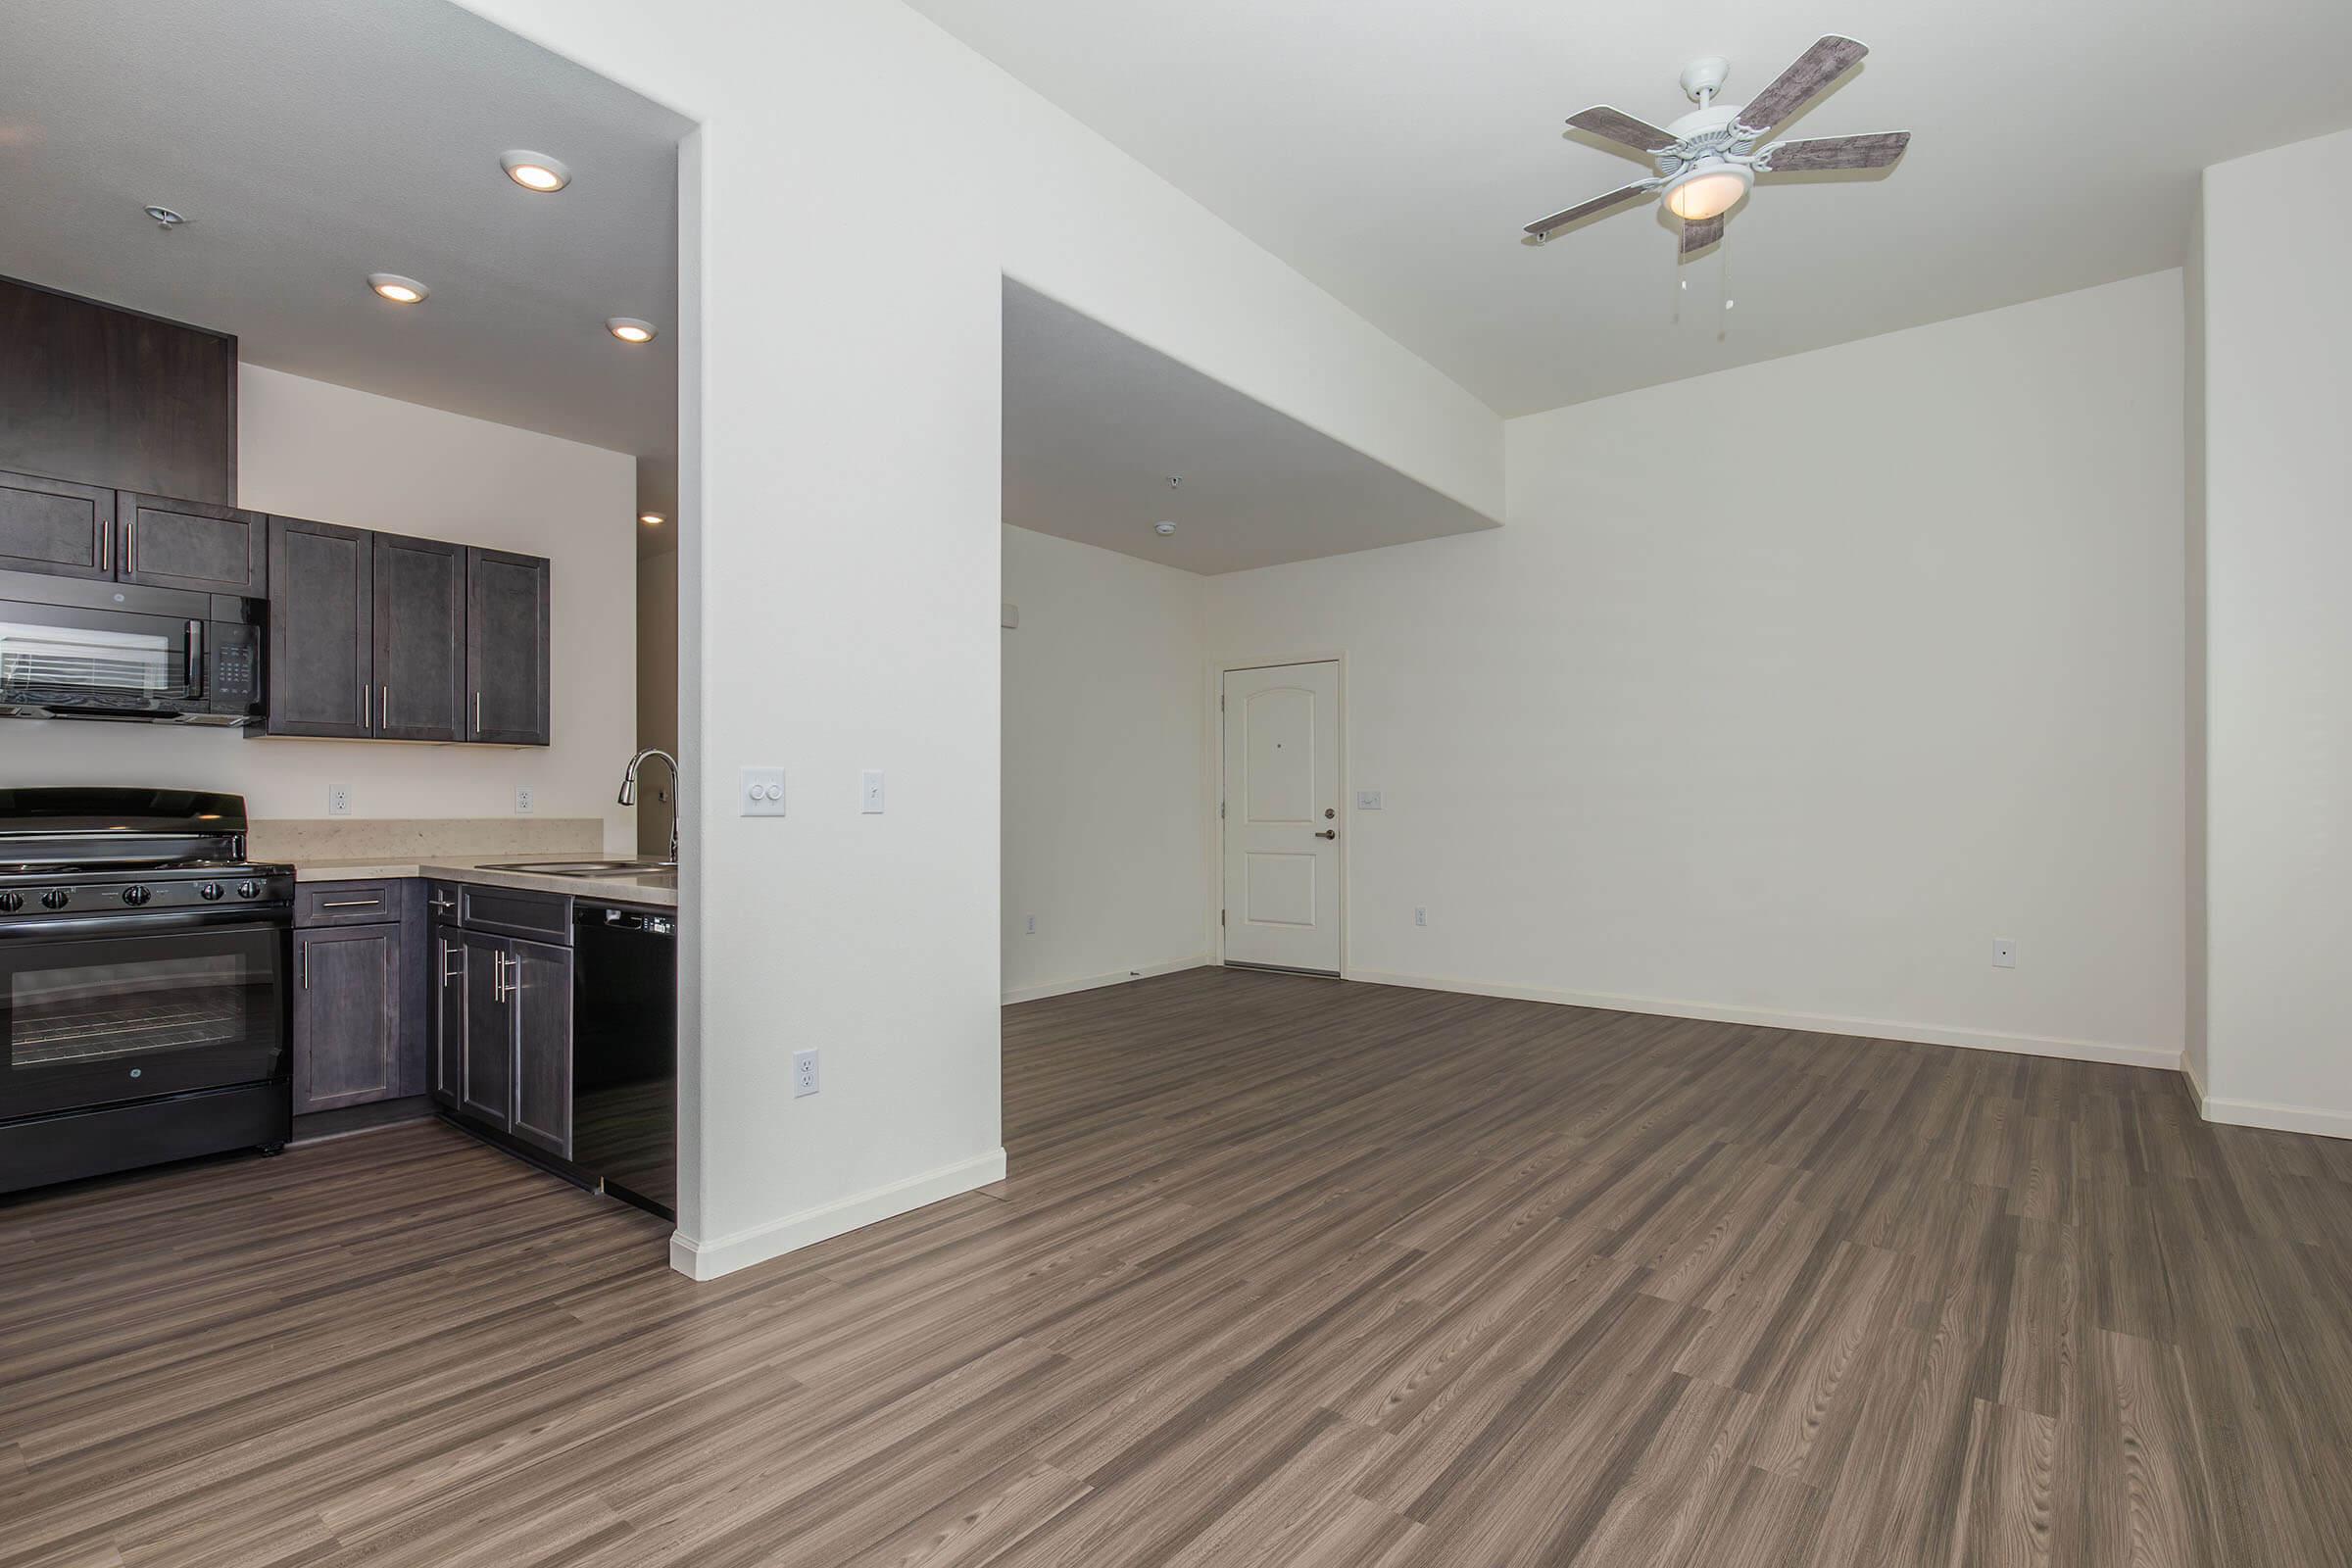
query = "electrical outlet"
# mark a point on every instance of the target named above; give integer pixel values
(804, 1073)
(762, 792)
(869, 792)
(1033, 925)
(1368, 799)
(522, 800)
(338, 800)
(2005, 953)
(1420, 915)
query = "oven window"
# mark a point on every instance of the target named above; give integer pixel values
(93, 1011)
(86, 1022)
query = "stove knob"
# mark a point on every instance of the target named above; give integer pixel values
(248, 890)
(54, 898)
(11, 902)
(209, 891)
(135, 895)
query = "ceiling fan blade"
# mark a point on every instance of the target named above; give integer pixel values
(1616, 126)
(1807, 78)
(1700, 233)
(1542, 227)
(1874, 151)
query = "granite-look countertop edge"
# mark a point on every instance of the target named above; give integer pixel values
(621, 888)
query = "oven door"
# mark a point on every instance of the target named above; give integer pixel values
(97, 1017)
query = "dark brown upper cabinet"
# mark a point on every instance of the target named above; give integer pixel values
(49, 525)
(419, 653)
(321, 630)
(507, 644)
(191, 544)
(116, 398)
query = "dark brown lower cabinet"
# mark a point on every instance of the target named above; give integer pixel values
(347, 1017)
(502, 1034)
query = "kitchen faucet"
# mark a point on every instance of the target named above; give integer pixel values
(628, 792)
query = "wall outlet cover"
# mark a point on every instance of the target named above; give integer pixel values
(2005, 953)
(804, 1073)
(869, 792)
(1420, 915)
(762, 792)
(1033, 925)
(522, 800)
(1368, 799)
(338, 800)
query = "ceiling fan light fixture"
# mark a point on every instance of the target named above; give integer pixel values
(1707, 189)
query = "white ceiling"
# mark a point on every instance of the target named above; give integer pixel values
(1096, 424)
(1391, 150)
(311, 144)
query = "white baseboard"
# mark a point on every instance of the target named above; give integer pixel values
(1818, 1023)
(2196, 1085)
(2277, 1118)
(1119, 977)
(708, 1260)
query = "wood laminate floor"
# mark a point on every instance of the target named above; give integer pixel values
(1287, 1272)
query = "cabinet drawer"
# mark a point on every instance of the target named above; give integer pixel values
(546, 916)
(346, 903)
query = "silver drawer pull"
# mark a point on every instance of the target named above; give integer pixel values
(349, 904)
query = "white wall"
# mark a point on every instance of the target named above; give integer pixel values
(307, 449)
(1105, 816)
(840, 336)
(1786, 691)
(2279, 642)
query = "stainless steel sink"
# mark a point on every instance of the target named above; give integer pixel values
(585, 867)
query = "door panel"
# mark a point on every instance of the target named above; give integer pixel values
(486, 1081)
(48, 525)
(542, 1000)
(1281, 829)
(506, 648)
(192, 544)
(420, 639)
(322, 629)
(346, 1016)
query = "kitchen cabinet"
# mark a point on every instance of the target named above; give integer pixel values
(509, 1004)
(539, 994)
(194, 545)
(507, 647)
(445, 1024)
(419, 655)
(347, 1015)
(321, 630)
(48, 525)
(486, 1052)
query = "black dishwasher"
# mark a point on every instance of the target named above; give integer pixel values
(624, 1053)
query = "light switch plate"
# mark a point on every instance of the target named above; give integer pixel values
(869, 792)
(1368, 799)
(762, 793)
(338, 800)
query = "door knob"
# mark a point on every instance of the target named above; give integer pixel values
(1329, 813)
(1329, 833)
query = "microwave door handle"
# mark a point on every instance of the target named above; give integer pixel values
(195, 646)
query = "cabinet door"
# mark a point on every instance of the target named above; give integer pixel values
(48, 525)
(322, 629)
(506, 648)
(486, 1075)
(192, 544)
(541, 993)
(420, 639)
(346, 1016)
(444, 1033)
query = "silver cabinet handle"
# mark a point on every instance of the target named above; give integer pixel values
(349, 903)
(131, 542)
(306, 966)
(366, 708)
(477, 714)
(387, 708)
(106, 545)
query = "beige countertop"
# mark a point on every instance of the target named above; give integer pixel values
(658, 888)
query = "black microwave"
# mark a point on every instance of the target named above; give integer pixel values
(75, 648)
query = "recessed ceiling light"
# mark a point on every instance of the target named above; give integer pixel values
(1164, 529)
(165, 218)
(652, 519)
(396, 288)
(629, 329)
(534, 170)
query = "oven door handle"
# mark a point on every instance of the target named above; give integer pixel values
(149, 925)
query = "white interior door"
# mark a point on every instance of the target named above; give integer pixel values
(1282, 817)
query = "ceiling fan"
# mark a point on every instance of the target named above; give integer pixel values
(1707, 160)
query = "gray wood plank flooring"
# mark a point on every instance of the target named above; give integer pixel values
(1285, 1272)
